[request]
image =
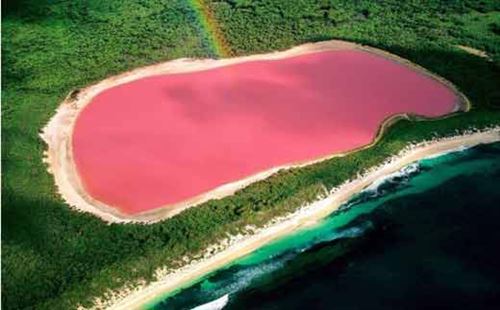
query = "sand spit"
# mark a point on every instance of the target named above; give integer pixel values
(237, 246)
(58, 132)
(474, 51)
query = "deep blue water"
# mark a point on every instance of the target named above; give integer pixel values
(428, 237)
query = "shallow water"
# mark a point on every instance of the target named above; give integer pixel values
(426, 237)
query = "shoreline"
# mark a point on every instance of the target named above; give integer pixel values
(59, 130)
(304, 217)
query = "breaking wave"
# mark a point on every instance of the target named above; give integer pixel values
(214, 304)
(383, 186)
(243, 277)
(353, 232)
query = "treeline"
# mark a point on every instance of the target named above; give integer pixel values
(269, 24)
(56, 258)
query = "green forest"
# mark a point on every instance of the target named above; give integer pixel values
(57, 258)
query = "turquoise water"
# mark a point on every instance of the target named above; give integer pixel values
(423, 237)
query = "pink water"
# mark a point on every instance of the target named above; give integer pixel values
(164, 139)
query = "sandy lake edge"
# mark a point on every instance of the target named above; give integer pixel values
(58, 132)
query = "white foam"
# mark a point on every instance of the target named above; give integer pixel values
(404, 172)
(214, 304)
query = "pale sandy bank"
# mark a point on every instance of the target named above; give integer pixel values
(474, 51)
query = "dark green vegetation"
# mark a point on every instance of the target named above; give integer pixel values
(55, 258)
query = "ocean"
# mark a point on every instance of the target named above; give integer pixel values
(425, 237)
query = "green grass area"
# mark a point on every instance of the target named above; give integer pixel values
(56, 258)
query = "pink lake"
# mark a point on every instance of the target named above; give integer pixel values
(164, 139)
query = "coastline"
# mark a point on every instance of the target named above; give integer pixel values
(306, 216)
(58, 132)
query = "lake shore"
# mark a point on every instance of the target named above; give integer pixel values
(58, 133)
(169, 281)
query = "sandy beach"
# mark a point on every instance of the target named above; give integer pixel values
(58, 133)
(308, 215)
